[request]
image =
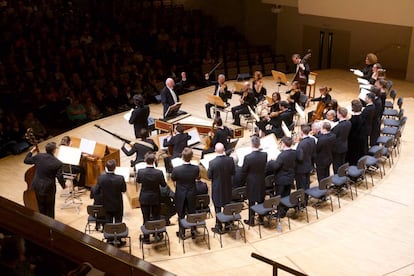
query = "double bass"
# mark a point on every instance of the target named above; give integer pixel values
(318, 113)
(29, 196)
(300, 75)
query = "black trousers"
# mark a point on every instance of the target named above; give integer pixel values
(46, 204)
(302, 180)
(114, 216)
(251, 212)
(322, 172)
(150, 212)
(338, 160)
(237, 111)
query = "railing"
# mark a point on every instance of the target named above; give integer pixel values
(70, 243)
(277, 265)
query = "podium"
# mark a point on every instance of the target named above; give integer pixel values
(95, 155)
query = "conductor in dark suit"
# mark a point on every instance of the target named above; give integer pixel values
(168, 96)
(220, 171)
(139, 116)
(254, 167)
(112, 186)
(48, 167)
(324, 149)
(220, 89)
(305, 152)
(185, 187)
(151, 179)
(341, 131)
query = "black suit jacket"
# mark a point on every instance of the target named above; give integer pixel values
(249, 100)
(341, 131)
(112, 186)
(151, 179)
(367, 118)
(221, 135)
(185, 187)
(324, 148)
(140, 149)
(305, 152)
(167, 99)
(284, 167)
(178, 142)
(139, 118)
(221, 170)
(48, 167)
(254, 167)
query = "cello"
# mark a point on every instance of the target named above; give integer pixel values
(29, 196)
(322, 104)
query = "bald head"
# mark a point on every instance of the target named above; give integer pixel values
(219, 148)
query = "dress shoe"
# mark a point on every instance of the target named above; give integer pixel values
(193, 234)
(216, 230)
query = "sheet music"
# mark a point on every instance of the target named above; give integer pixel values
(300, 111)
(207, 158)
(124, 171)
(195, 136)
(178, 161)
(358, 73)
(269, 145)
(161, 139)
(285, 129)
(69, 155)
(362, 81)
(87, 146)
(363, 93)
(365, 86)
(127, 115)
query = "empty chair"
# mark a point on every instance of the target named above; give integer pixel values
(386, 153)
(267, 209)
(203, 204)
(117, 234)
(239, 194)
(340, 181)
(356, 173)
(321, 193)
(295, 200)
(232, 219)
(312, 84)
(96, 214)
(195, 221)
(158, 229)
(390, 104)
(394, 122)
(393, 112)
(374, 164)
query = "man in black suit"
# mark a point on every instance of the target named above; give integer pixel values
(220, 89)
(376, 126)
(367, 119)
(220, 170)
(246, 100)
(305, 154)
(254, 167)
(139, 116)
(341, 130)
(185, 190)
(284, 170)
(221, 135)
(140, 147)
(112, 186)
(168, 96)
(324, 148)
(151, 179)
(178, 141)
(274, 124)
(302, 69)
(48, 167)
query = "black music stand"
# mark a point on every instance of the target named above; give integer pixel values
(280, 78)
(174, 110)
(218, 103)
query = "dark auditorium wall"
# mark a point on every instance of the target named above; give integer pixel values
(286, 32)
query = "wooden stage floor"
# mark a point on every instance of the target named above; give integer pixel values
(371, 235)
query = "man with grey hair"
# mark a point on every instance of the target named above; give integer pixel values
(220, 89)
(254, 167)
(220, 171)
(168, 96)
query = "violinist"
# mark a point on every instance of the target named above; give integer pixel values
(246, 100)
(258, 90)
(273, 110)
(294, 95)
(302, 71)
(221, 90)
(323, 102)
(274, 125)
(178, 142)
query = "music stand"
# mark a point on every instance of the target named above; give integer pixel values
(280, 78)
(174, 110)
(70, 156)
(218, 104)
